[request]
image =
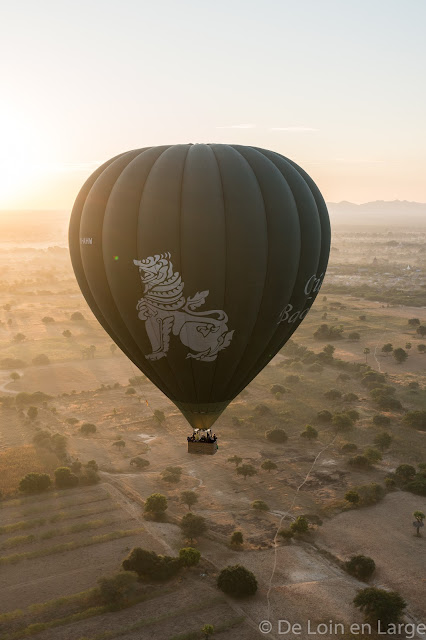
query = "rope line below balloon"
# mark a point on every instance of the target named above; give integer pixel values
(287, 513)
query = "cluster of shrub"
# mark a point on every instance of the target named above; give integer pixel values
(407, 478)
(172, 474)
(23, 399)
(342, 421)
(234, 580)
(55, 442)
(65, 478)
(238, 581)
(299, 526)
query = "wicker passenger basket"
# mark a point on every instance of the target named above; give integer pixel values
(203, 448)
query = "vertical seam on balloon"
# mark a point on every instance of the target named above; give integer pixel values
(296, 168)
(267, 270)
(181, 264)
(129, 334)
(137, 235)
(226, 258)
(255, 367)
(106, 165)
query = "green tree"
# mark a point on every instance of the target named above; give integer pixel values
(387, 348)
(92, 464)
(287, 534)
(400, 355)
(366, 352)
(359, 462)
(77, 316)
(118, 588)
(237, 538)
(189, 556)
(76, 466)
(390, 484)
(300, 525)
(67, 333)
(418, 523)
(371, 493)
(276, 435)
(259, 505)
(268, 465)
(352, 496)
(373, 455)
(349, 447)
(19, 337)
(415, 419)
(414, 322)
(277, 388)
(155, 504)
(148, 564)
(139, 463)
(354, 335)
(189, 498)
(193, 526)
(405, 472)
(237, 581)
(120, 444)
(350, 397)
(353, 415)
(342, 422)
(383, 440)
(208, 630)
(15, 376)
(378, 604)
(35, 483)
(88, 429)
(235, 460)
(421, 348)
(64, 478)
(421, 330)
(246, 470)
(32, 413)
(324, 332)
(333, 394)
(292, 379)
(361, 567)
(324, 416)
(380, 420)
(310, 433)
(172, 474)
(408, 345)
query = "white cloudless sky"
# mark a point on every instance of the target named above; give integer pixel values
(337, 86)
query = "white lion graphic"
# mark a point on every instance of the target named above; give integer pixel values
(164, 310)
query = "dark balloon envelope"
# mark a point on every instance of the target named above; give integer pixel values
(200, 261)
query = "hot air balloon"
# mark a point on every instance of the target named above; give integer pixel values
(200, 261)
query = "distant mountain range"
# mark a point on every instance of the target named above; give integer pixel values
(380, 212)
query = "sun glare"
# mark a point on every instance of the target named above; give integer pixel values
(23, 156)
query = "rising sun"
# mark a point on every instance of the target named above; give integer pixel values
(23, 156)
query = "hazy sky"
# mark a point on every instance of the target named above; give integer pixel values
(336, 85)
